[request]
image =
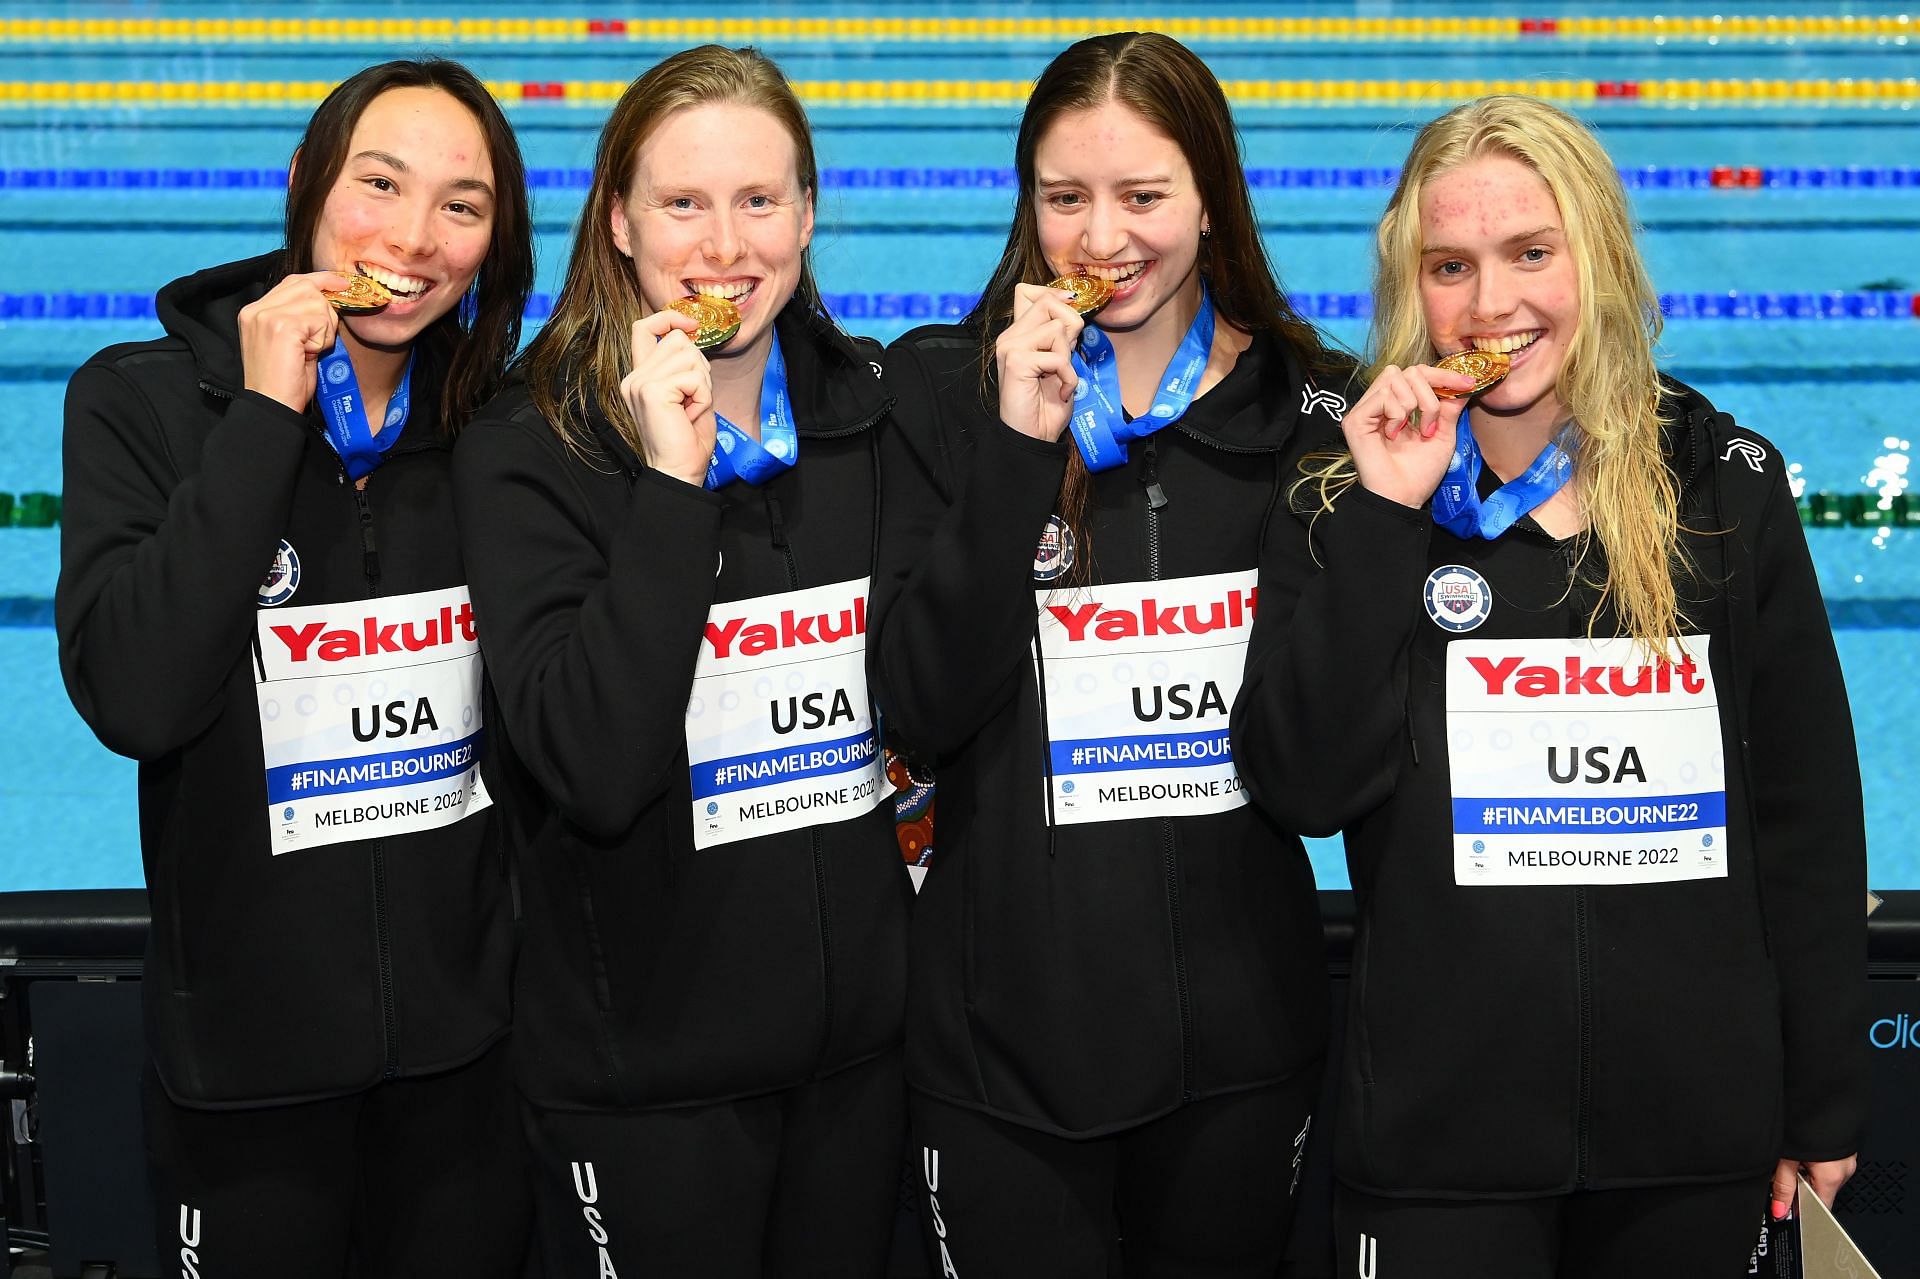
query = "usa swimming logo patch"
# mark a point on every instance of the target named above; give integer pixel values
(283, 578)
(1458, 599)
(1054, 555)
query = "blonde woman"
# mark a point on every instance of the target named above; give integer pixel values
(1554, 659)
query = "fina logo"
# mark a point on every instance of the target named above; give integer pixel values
(1902, 1031)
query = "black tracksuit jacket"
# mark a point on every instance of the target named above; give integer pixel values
(319, 971)
(654, 974)
(1082, 979)
(1524, 1041)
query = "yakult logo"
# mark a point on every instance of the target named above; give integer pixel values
(376, 634)
(793, 629)
(1575, 676)
(1101, 622)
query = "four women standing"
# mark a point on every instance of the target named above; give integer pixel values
(1060, 524)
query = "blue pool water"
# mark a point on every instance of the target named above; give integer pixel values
(1836, 396)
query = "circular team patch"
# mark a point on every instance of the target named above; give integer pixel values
(1458, 599)
(1054, 555)
(283, 579)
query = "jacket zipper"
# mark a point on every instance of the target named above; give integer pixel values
(1169, 847)
(777, 533)
(382, 920)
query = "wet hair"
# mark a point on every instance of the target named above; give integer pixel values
(1608, 381)
(474, 339)
(587, 345)
(1171, 89)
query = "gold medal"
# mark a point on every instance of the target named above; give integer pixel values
(1090, 293)
(718, 319)
(1484, 367)
(362, 296)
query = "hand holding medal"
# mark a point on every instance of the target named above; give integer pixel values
(285, 332)
(669, 390)
(1034, 359)
(1401, 431)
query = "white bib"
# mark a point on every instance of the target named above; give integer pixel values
(1139, 678)
(370, 717)
(779, 727)
(1575, 761)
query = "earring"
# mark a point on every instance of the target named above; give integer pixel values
(1206, 232)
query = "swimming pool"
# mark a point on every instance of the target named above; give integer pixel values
(1773, 163)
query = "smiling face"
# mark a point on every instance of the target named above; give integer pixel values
(412, 207)
(1117, 200)
(1496, 274)
(715, 206)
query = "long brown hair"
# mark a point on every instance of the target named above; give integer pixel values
(585, 348)
(1608, 380)
(1167, 85)
(476, 337)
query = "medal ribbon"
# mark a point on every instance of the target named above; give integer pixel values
(737, 455)
(1456, 503)
(345, 413)
(1099, 423)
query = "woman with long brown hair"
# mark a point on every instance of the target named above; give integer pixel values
(1118, 1001)
(672, 524)
(1557, 664)
(262, 600)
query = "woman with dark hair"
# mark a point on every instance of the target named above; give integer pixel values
(261, 599)
(1557, 665)
(1118, 1005)
(671, 523)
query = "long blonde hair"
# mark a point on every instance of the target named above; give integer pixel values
(588, 342)
(1607, 381)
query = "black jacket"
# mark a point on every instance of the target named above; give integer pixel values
(1515, 1041)
(654, 974)
(1081, 978)
(312, 972)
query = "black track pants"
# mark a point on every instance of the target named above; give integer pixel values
(1664, 1232)
(800, 1184)
(421, 1176)
(1203, 1193)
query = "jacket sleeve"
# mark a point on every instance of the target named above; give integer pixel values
(1810, 840)
(159, 574)
(1322, 709)
(953, 604)
(592, 654)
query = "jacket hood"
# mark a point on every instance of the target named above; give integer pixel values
(203, 310)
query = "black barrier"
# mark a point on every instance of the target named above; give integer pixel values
(71, 1062)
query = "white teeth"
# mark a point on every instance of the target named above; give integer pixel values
(1505, 345)
(401, 285)
(1116, 274)
(731, 292)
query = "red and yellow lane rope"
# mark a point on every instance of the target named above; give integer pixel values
(776, 30)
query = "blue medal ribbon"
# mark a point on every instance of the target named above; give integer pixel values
(736, 454)
(345, 413)
(1456, 503)
(1099, 423)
